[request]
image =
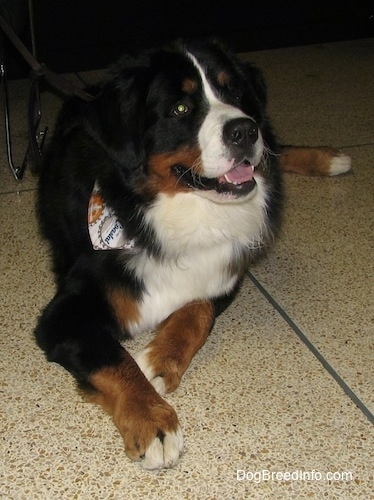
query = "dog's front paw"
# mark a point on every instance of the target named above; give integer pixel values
(151, 432)
(161, 373)
(147, 423)
(177, 340)
(164, 450)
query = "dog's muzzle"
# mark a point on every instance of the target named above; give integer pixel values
(239, 137)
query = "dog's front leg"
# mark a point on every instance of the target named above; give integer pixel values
(177, 340)
(148, 424)
(77, 330)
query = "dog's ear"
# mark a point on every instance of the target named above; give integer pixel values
(117, 115)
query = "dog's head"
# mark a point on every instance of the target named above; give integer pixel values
(188, 118)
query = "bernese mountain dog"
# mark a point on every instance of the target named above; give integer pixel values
(155, 197)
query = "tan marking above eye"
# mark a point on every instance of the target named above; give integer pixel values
(189, 86)
(223, 78)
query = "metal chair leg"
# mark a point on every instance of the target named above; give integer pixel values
(36, 138)
(17, 171)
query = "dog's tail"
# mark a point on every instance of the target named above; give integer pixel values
(322, 161)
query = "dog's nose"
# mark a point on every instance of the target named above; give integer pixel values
(240, 134)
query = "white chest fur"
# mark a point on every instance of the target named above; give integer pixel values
(199, 239)
(170, 285)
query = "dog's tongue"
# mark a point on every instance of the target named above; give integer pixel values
(241, 173)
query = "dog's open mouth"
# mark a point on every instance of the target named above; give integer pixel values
(239, 181)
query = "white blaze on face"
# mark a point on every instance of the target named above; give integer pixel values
(215, 154)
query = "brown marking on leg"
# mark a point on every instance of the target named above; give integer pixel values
(139, 413)
(177, 340)
(311, 161)
(125, 307)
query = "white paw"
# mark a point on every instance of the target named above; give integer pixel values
(142, 361)
(340, 164)
(164, 451)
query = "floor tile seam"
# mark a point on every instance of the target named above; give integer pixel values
(17, 191)
(352, 146)
(327, 366)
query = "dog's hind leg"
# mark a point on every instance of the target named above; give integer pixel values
(322, 161)
(177, 340)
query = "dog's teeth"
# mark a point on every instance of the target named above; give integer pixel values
(230, 181)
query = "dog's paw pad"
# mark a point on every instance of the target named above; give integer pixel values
(163, 451)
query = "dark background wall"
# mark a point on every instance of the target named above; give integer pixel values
(74, 35)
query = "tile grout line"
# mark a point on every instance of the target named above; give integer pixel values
(351, 146)
(17, 191)
(356, 400)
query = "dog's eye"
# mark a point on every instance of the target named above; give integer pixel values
(181, 109)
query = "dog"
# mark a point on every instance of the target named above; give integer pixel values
(155, 197)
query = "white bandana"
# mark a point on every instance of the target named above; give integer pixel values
(106, 231)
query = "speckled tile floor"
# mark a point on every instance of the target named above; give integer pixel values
(285, 382)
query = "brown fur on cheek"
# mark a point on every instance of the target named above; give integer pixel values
(161, 178)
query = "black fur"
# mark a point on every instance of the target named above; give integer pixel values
(110, 140)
